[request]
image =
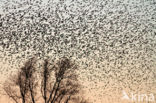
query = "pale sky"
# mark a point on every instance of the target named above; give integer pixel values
(114, 43)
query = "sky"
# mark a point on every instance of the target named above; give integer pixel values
(113, 41)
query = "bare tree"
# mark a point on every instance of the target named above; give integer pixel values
(59, 82)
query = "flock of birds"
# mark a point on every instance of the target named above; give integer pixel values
(114, 41)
